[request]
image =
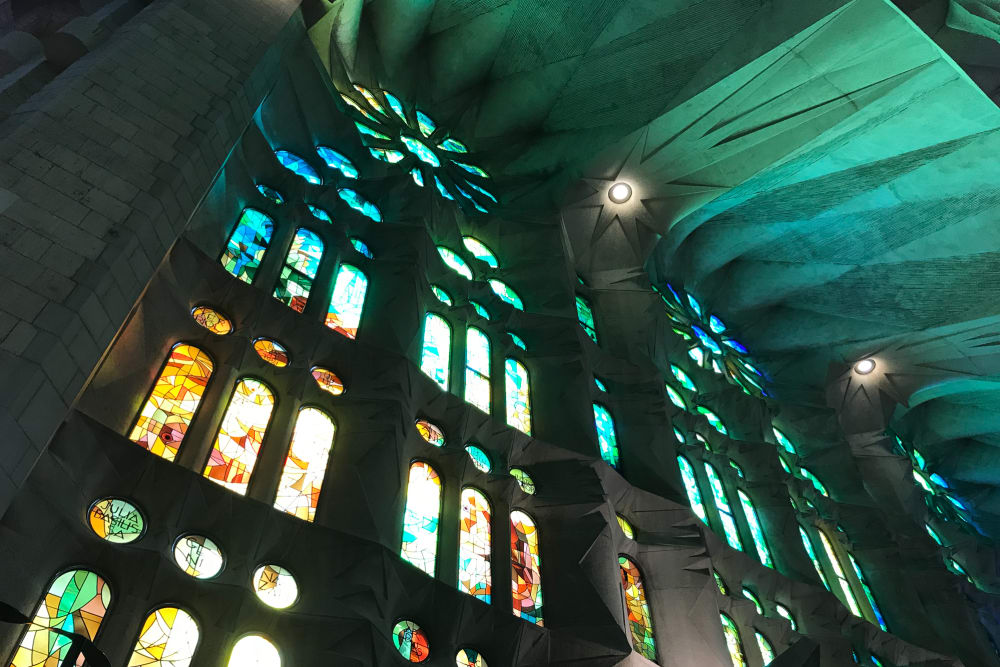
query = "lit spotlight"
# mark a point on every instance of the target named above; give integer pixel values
(620, 193)
(864, 367)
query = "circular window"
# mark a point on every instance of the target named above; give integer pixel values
(275, 586)
(411, 641)
(115, 520)
(198, 556)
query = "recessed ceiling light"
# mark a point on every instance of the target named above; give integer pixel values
(620, 193)
(864, 367)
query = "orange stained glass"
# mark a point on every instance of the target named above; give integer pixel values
(241, 433)
(639, 619)
(525, 568)
(171, 405)
(305, 465)
(328, 381)
(271, 351)
(474, 560)
(212, 320)
(430, 432)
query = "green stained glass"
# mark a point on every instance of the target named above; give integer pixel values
(818, 485)
(811, 552)
(471, 168)
(787, 615)
(480, 459)
(436, 355)
(675, 397)
(934, 535)
(480, 309)
(606, 439)
(845, 585)
(518, 396)
(679, 435)
(453, 146)
(443, 191)
(420, 520)
(505, 293)
(923, 481)
(337, 161)
(421, 150)
(347, 301)
(763, 553)
(599, 384)
(626, 527)
(735, 466)
(320, 214)
(518, 341)
(714, 420)
(455, 262)
(441, 295)
(426, 125)
(489, 195)
(784, 441)
(523, 480)
(297, 275)
(247, 244)
(298, 166)
(691, 486)
(640, 620)
(362, 247)
(784, 464)
(719, 583)
(585, 316)
(868, 592)
(480, 251)
(725, 511)
(750, 595)
(360, 204)
(766, 650)
(386, 155)
(683, 378)
(733, 642)
(357, 107)
(411, 641)
(396, 104)
(364, 130)
(417, 177)
(477, 369)
(116, 520)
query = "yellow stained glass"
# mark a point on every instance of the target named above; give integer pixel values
(212, 320)
(168, 638)
(241, 433)
(525, 568)
(328, 381)
(305, 465)
(272, 352)
(420, 521)
(639, 619)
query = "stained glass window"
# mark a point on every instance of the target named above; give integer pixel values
(360, 204)
(691, 486)
(480, 459)
(362, 247)
(679, 435)
(675, 397)
(75, 602)
(783, 440)
(254, 651)
(298, 166)
(477, 369)
(474, 575)
(435, 359)
(455, 262)
(168, 638)
(639, 619)
(272, 352)
(525, 566)
(868, 592)
(845, 585)
(606, 439)
(714, 420)
(116, 520)
(198, 556)
(756, 531)
(299, 271)
(518, 396)
(750, 595)
(505, 293)
(876, 661)
(627, 529)
(585, 316)
(518, 341)
(733, 642)
(305, 465)
(468, 657)
(347, 301)
(811, 552)
(420, 521)
(247, 244)
(411, 641)
(766, 650)
(320, 214)
(275, 586)
(480, 251)
(237, 444)
(787, 615)
(683, 378)
(173, 401)
(431, 433)
(270, 193)
(212, 320)
(480, 309)
(337, 161)
(725, 511)
(600, 384)
(818, 485)
(523, 480)
(328, 381)
(719, 583)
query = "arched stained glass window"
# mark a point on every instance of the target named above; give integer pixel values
(348, 301)
(298, 166)
(868, 592)
(254, 651)
(585, 316)
(725, 511)
(173, 401)
(299, 271)
(845, 585)
(435, 357)
(480, 251)
(168, 638)
(477, 369)
(241, 433)
(767, 653)
(247, 244)
(518, 396)
(420, 521)
(75, 602)
(691, 486)
(756, 531)
(811, 552)
(474, 575)
(733, 641)
(525, 568)
(607, 441)
(305, 466)
(502, 290)
(639, 619)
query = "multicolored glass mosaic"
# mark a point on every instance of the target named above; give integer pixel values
(607, 441)
(275, 586)
(474, 574)
(212, 320)
(338, 161)
(328, 381)
(420, 521)
(298, 166)
(639, 620)
(411, 641)
(585, 316)
(305, 466)
(480, 459)
(435, 356)
(301, 265)
(247, 244)
(467, 657)
(168, 638)
(116, 520)
(431, 433)
(362, 247)
(272, 352)
(477, 369)
(347, 302)
(270, 193)
(518, 396)
(525, 566)
(234, 453)
(198, 556)
(691, 486)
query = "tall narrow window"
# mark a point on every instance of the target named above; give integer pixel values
(525, 568)
(75, 602)
(518, 396)
(420, 521)
(845, 585)
(347, 301)
(474, 575)
(585, 316)
(241, 433)
(168, 638)
(435, 357)
(305, 465)
(691, 486)
(247, 245)
(725, 511)
(868, 592)
(173, 400)
(477, 369)
(299, 271)
(639, 619)
(733, 641)
(607, 441)
(811, 552)
(763, 553)
(767, 653)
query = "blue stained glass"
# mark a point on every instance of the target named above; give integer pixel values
(387, 155)
(679, 435)
(739, 348)
(360, 204)
(811, 552)
(297, 165)
(427, 126)
(364, 129)
(939, 480)
(714, 420)
(418, 177)
(471, 199)
(716, 325)
(337, 161)
(784, 441)
(518, 396)
(868, 592)
(691, 486)
(934, 535)
(518, 341)
(436, 355)
(471, 168)
(876, 661)
(706, 340)
(725, 511)
(483, 191)
(421, 150)
(480, 310)
(756, 531)
(319, 213)
(453, 146)
(919, 459)
(606, 438)
(396, 105)
(480, 459)
(505, 293)
(443, 190)
(247, 244)
(347, 301)
(455, 262)
(270, 193)
(357, 107)
(361, 247)
(480, 251)
(677, 297)
(695, 306)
